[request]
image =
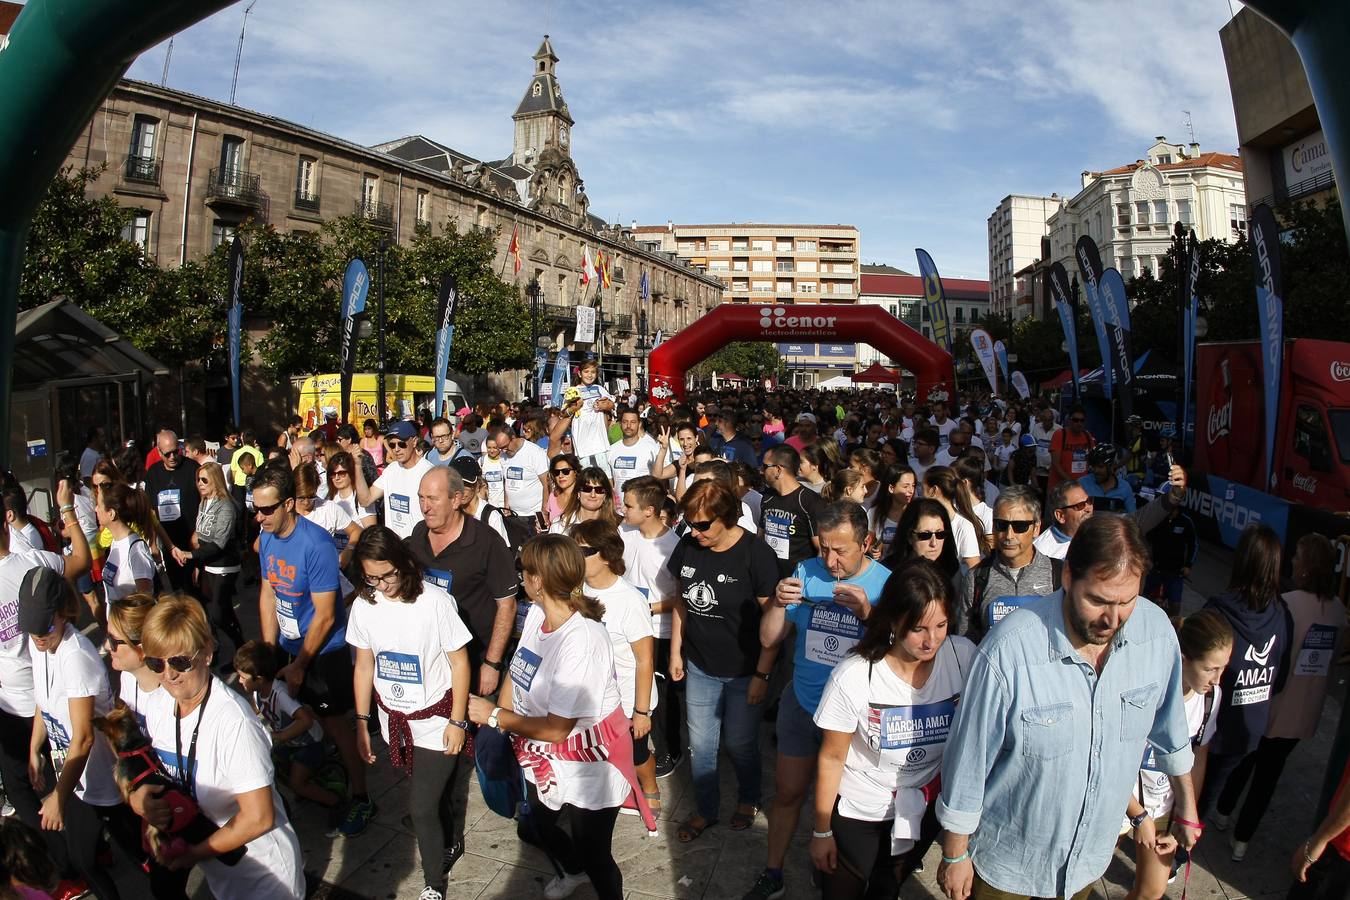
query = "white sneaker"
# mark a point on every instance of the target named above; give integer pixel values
(1220, 821)
(563, 886)
(430, 893)
(1239, 851)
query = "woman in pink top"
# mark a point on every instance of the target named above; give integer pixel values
(1319, 630)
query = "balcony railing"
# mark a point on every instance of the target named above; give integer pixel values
(381, 214)
(142, 170)
(235, 186)
(307, 201)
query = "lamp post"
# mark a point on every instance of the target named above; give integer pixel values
(533, 290)
(379, 328)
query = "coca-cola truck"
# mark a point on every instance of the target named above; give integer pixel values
(1311, 471)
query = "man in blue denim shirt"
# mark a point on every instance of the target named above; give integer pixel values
(1063, 697)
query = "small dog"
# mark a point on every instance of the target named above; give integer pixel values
(138, 764)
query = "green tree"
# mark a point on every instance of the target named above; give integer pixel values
(745, 358)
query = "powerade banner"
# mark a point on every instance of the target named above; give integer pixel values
(1190, 275)
(540, 361)
(1090, 265)
(1001, 354)
(446, 304)
(1111, 292)
(236, 318)
(1222, 509)
(984, 349)
(1059, 286)
(355, 286)
(935, 300)
(1019, 382)
(560, 364)
(1265, 235)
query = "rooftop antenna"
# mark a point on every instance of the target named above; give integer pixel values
(239, 51)
(1189, 127)
(168, 55)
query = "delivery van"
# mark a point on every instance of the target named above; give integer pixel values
(405, 396)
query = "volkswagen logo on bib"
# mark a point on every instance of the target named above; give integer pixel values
(916, 755)
(831, 643)
(397, 691)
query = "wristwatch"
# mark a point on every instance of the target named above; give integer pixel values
(762, 676)
(492, 718)
(499, 665)
(1136, 821)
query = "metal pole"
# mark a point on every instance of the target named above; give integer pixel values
(379, 288)
(1179, 256)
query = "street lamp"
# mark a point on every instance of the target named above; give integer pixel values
(532, 290)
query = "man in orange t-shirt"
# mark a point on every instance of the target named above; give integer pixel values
(1069, 449)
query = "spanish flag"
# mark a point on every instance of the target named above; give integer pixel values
(514, 249)
(604, 264)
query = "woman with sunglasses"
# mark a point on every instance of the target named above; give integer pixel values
(874, 817)
(215, 548)
(70, 688)
(593, 499)
(218, 751)
(330, 516)
(941, 484)
(924, 532)
(342, 490)
(562, 476)
(128, 567)
(726, 577)
(410, 651)
(561, 703)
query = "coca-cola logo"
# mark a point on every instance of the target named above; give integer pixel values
(1220, 421)
(1306, 483)
(1340, 371)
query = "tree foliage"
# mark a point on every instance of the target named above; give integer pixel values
(291, 291)
(745, 358)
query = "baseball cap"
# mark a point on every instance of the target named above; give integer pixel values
(807, 417)
(401, 429)
(1026, 440)
(41, 597)
(467, 469)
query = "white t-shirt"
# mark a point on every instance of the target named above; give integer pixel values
(1157, 786)
(25, 538)
(355, 511)
(1051, 546)
(277, 711)
(76, 670)
(899, 734)
(628, 462)
(524, 491)
(967, 544)
(409, 642)
(16, 668)
(986, 516)
(944, 431)
(627, 620)
(399, 484)
(644, 562)
(496, 521)
(128, 560)
(84, 513)
(494, 473)
(234, 756)
(334, 519)
(129, 692)
(1042, 436)
(590, 434)
(570, 672)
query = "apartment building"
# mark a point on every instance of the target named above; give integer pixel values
(1016, 228)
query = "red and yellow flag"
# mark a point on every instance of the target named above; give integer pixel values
(514, 249)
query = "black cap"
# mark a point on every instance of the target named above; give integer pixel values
(41, 596)
(467, 469)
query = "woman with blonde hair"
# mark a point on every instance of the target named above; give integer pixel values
(218, 751)
(561, 705)
(135, 681)
(215, 548)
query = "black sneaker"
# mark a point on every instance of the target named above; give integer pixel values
(451, 856)
(766, 888)
(665, 764)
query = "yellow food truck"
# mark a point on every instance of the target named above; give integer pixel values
(318, 395)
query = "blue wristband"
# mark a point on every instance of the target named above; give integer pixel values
(953, 860)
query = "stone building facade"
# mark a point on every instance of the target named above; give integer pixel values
(193, 169)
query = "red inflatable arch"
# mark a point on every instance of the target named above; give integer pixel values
(931, 365)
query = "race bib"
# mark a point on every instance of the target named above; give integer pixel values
(1079, 464)
(109, 572)
(628, 463)
(57, 735)
(9, 619)
(439, 577)
(398, 504)
(909, 728)
(831, 632)
(776, 534)
(169, 502)
(515, 473)
(493, 475)
(524, 666)
(522, 610)
(999, 609)
(286, 620)
(401, 677)
(1319, 645)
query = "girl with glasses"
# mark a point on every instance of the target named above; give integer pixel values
(593, 499)
(410, 651)
(563, 471)
(215, 548)
(342, 489)
(220, 753)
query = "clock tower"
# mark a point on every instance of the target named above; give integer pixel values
(542, 119)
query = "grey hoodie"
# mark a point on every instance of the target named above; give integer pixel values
(1000, 591)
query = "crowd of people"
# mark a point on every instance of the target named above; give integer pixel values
(960, 618)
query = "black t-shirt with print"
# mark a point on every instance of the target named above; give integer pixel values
(788, 524)
(720, 591)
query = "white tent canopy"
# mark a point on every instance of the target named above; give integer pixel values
(838, 382)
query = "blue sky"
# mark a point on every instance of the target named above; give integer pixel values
(908, 119)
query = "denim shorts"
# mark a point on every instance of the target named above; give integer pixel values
(798, 735)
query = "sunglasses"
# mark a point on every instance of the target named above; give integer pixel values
(1079, 506)
(1021, 526)
(172, 453)
(203, 480)
(268, 510)
(100, 484)
(930, 535)
(562, 471)
(336, 472)
(588, 551)
(397, 443)
(593, 489)
(302, 498)
(180, 663)
(114, 643)
(701, 526)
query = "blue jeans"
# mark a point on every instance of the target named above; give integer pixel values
(711, 703)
